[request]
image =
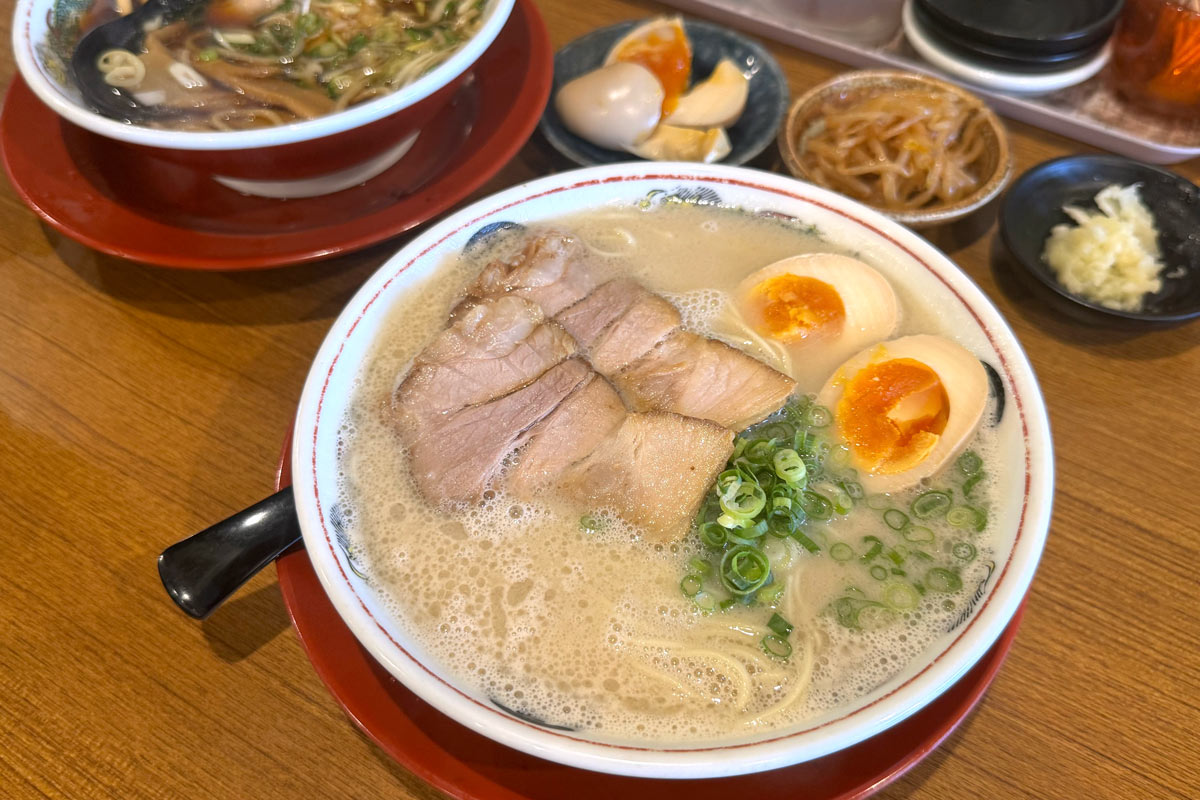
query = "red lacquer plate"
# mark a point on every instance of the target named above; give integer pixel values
(117, 199)
(468, 766)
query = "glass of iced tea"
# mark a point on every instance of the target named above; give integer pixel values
(1156, 56)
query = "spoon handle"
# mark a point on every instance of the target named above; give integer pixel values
(201, 571)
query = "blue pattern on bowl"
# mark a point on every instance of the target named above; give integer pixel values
(749, 136)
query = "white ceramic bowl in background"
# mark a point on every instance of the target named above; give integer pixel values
(1020, 520)
(298, 150)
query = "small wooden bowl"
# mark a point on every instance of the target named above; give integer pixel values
(996, 161)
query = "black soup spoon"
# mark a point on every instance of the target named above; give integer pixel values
(201, 571)
(124, 33)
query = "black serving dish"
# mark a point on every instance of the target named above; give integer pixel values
(1033, 205)
(1034, 28)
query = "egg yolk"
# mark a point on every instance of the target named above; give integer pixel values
(793, 308)
(665, 51)
(892, 414)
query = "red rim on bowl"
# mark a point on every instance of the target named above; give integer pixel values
(77, 181)
(469, 766)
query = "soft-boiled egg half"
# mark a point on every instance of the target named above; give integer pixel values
(617, 106)
(821, 308)
(906, 408)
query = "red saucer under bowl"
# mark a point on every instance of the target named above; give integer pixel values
(468, 766)
(121, 200)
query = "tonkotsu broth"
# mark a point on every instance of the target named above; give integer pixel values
(590, 630)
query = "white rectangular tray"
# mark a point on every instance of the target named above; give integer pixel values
(1089, 112)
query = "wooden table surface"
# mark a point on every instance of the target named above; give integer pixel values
(139, 404)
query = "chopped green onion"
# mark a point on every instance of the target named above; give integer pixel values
(743, 500)
(852, 488)
(940, 579)
(781, 523)
(818, 416)
(779, 625)
(770, 593)
(759, 451)
(308, 24)
(898, 571)
(917, 534)
(815, 505)
(878, 502)
(931, 504)
(967, 517)
(208, 54)
(879, 573)
(728, 603)
(876, 548)
(896, 556)
(970, 483)
(779, 430)
(969, 463)
(775, 646)
(900, 596)
(805, 542)
(358, 42)
(790, 467)
(700, 566)
(744, 570)
(704, 601)
(841, 552)
(690, 586)
(964, 551)
(848, 610)
(591, 523)
(713, 535)
(895, 519)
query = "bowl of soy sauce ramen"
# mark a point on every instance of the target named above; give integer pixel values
(676, 546)
(268, 89)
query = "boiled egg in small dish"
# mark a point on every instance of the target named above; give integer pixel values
(820, 308)
(639, 101)
(906, 408)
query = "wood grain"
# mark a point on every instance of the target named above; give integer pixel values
(140, 404)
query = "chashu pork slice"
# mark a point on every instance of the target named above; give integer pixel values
(699, 377)
(646, 322)
(553, 270)
(653, 471)
(492, 348)
(456, 457)
(570, 433)
(589, 318)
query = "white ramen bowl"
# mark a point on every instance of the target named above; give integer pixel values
(325, 146)
(1020, 520)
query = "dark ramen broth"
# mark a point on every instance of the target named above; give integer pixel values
(245, 64)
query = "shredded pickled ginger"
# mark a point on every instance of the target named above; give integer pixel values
(1110, 256)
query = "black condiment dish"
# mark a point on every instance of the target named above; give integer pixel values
(1026, 27)
(1034, 205)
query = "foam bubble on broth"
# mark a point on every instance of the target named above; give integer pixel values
(516, 601)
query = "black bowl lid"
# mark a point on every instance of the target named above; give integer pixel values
(1027, 26)
(1033, 205)
(1000, 58)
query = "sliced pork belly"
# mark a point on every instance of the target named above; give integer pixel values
(553, 271)
(634, 333)
(588, 318)
(494, 347)
(653, 471)
(568, 434)
(456, 456)
(704, 378)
